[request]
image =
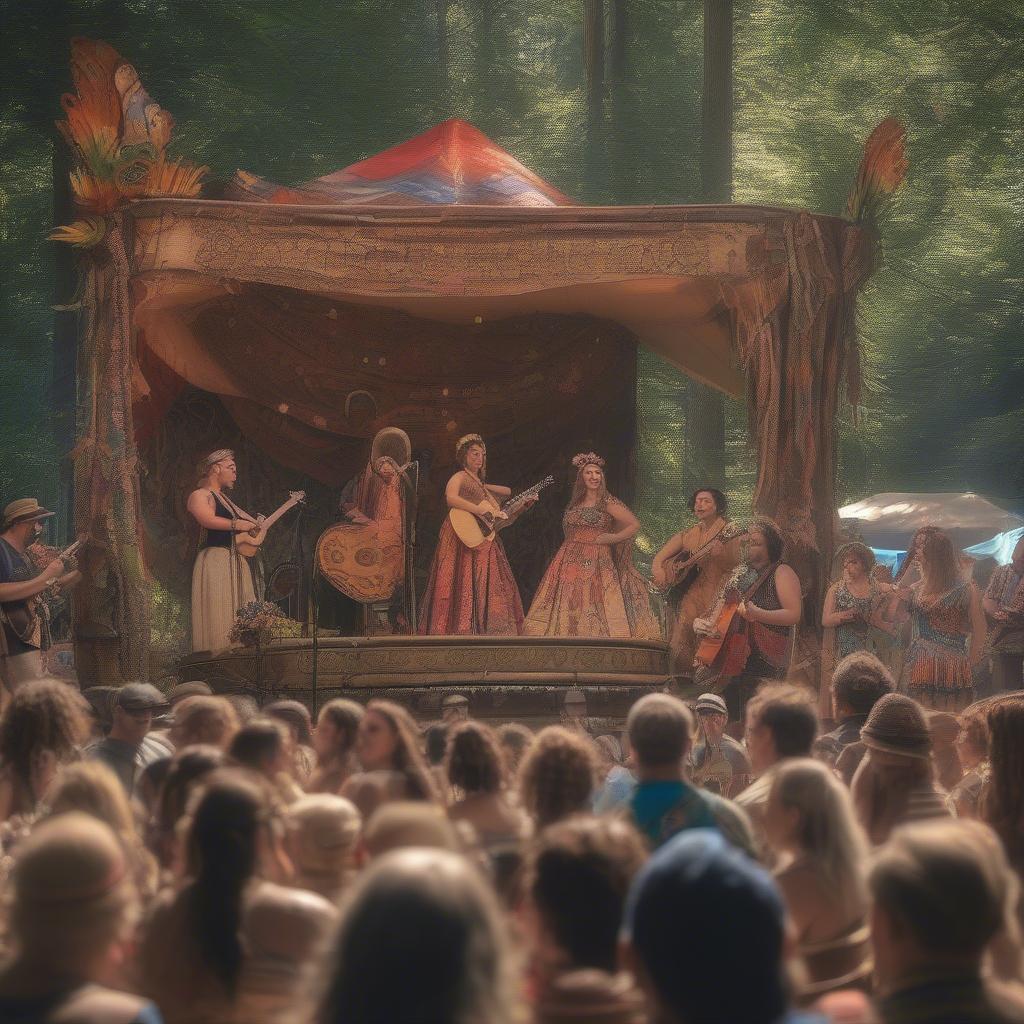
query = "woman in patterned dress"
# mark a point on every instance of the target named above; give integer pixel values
(472, 590)
(591, 587)
(947, 629)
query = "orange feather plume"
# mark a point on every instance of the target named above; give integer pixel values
(882, 170)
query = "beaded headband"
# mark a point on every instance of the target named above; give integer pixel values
(587, 459)
(467, 440)
(219, 456)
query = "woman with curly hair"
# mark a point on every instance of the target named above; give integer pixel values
(43, 727)
(558, 776)
(948, 629)
(476, 770)
(388, 749)
(591, 587)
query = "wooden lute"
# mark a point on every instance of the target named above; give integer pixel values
(473, 529)
(684, 568)
(711, 645)
(247, 545)
(21, 616)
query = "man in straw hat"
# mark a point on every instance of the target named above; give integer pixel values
(21, 583)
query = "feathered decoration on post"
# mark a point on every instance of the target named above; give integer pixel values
(882, 170)
(118, 136)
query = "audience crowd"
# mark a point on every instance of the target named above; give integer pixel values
(194, 859)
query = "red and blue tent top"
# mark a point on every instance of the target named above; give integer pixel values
(452, 164)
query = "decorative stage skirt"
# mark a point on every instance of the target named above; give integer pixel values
(471, 590)
(221, 584)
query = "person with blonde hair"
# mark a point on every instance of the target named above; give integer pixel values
(209, 721)
(90, 787)
(429, 915)
(71, 915)
(819, 851)
(558, 776)
(939, 893)
(322, 840)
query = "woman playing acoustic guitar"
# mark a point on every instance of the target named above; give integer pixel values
(472, 590)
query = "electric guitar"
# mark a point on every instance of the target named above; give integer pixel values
(247, 545)
(473, 529)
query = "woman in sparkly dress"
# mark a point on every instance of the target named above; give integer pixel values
(591, 587)
(947, 629)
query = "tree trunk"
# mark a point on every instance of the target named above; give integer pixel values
(623, 176)
(705, 408)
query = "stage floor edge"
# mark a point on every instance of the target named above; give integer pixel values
(505, 677)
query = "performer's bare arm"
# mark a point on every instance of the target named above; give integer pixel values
(829, 616)
(787, 586)
(671, 548)
(455, 500)
(204, 510)
(499, 491)
(627, 523)
(29, 588)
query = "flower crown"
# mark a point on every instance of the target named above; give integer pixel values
(468, 439)
(587, 459)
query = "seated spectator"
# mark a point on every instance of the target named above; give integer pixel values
(578, 873)
(858, 681)
(660, 730)
(42, 728)
(400, 824)
(1002, 802)
(264, 746)
(92, 788)
(295, 715)
(71, 916)
(515, 739)
(895, 781)
(322, 839)
(819, 852)
(210, 721)
(334, 742)
(476, 772)
(945, 727)
(128, 749)
(781, 723)
(972, 750)
(558, 775)
(188, 768)
(193, 947)
(938, 904)
(387, 746)
(718, 763)
(428, 914)
(705, 935)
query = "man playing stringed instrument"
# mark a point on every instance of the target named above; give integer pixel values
(696, 592)
(748, 635)
(221, 578)
(1004, 607)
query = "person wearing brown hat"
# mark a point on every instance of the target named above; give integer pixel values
(895, 782)
(21, 582)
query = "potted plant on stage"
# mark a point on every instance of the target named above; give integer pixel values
(259, 622)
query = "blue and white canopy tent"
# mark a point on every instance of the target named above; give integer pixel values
(887, 521)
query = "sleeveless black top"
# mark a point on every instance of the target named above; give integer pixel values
(218, 538)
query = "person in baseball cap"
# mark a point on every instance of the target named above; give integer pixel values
(717, 761)
(128, 748)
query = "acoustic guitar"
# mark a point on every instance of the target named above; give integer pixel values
(247, 545)
(711, 645)
(473, 529)
(684, 568)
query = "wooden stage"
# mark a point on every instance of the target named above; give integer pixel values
(505, 678)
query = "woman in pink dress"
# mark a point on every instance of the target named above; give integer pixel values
(472, 590)
(591, 587)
